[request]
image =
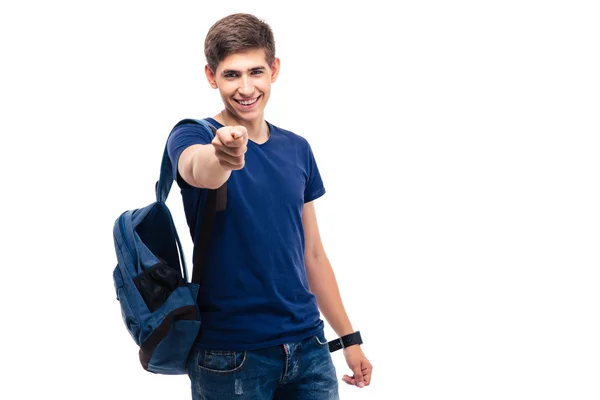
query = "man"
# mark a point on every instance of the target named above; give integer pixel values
(266, 276)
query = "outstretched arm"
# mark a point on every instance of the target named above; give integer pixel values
(323, 285)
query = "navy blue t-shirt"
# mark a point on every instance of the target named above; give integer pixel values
(254, 290)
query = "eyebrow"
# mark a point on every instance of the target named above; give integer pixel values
(229, 71)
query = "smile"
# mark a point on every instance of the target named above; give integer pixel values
(247, 102)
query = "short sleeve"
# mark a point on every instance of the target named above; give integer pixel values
(314, 184)
(183, 137)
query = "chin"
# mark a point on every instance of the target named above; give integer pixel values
(249, 115)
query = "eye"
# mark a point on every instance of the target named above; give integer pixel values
(230, 75)
(257, 72)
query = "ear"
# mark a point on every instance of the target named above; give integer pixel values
(275, 69)
(210, 76)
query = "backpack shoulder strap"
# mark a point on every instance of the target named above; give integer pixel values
(202, 242)
(163, 187)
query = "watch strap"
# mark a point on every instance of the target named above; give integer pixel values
(345, 341)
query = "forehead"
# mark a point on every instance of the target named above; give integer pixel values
(244, 61)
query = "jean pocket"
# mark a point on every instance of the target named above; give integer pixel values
(221, 362)
(320, 340)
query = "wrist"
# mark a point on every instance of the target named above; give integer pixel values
(351, 350)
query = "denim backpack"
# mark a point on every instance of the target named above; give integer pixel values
(158, 302)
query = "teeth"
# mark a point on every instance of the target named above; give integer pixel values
(247, 102)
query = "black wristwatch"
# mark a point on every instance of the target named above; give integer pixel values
(345, 341)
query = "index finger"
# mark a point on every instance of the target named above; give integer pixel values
(236, 134)
(230, 137)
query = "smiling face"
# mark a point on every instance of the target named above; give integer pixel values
(244, 81)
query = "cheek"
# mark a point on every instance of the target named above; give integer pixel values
(264, 85)
(226, 89)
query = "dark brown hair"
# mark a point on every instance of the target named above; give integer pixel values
(238, 33)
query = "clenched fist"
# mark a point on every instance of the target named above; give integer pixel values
(230, 144)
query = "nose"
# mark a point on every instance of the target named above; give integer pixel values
(245, 88)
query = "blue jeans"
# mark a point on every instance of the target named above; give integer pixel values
(300, 370)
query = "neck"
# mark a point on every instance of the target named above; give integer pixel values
(258, 130)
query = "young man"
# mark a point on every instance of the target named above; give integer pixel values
(266, 274)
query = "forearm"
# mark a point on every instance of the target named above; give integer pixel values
(323, 285)
(202, 168)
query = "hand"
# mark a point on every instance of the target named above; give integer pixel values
(360, 366)
(230, 144)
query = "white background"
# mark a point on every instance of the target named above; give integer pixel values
(458, 142)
